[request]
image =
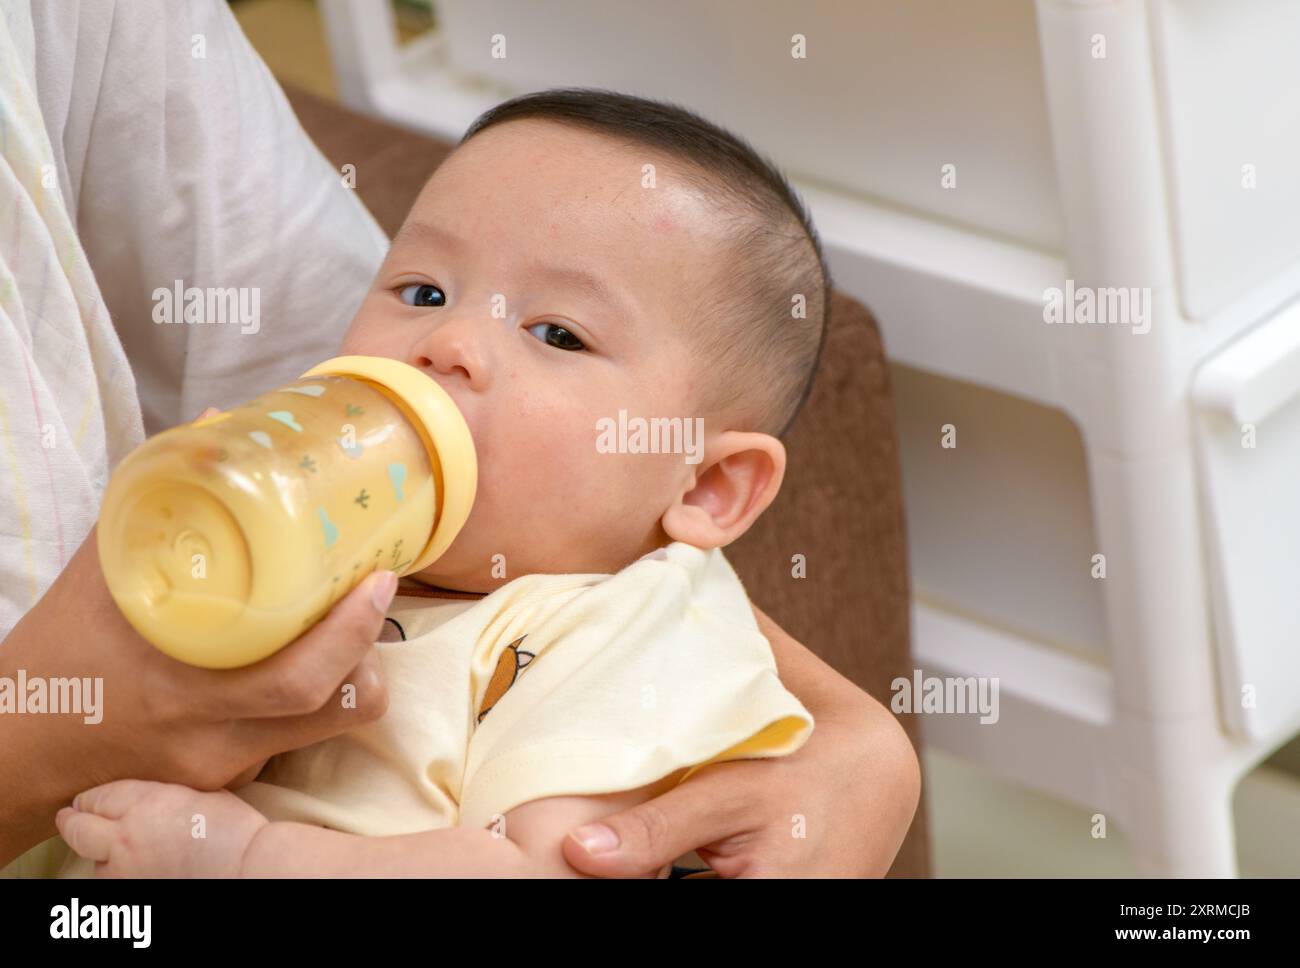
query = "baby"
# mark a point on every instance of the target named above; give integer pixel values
(583, 261)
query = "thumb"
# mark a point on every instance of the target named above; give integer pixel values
(641, 840)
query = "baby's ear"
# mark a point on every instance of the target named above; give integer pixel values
(739, 476)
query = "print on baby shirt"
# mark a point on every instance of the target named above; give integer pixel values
(510, 665)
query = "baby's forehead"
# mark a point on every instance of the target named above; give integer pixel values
(536, 163)
(652, 237)
(598, 219)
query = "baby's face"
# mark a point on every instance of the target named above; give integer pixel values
(545, 288)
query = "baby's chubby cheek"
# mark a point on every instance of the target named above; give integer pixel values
(557, 456)
(522, 462)
(557, 464)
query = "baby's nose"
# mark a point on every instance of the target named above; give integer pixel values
(456, 354)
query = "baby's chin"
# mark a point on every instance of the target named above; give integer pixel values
(465, 567)
(481, 580)
(463, 570)
(443, 574)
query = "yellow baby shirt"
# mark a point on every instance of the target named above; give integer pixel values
(552, 685)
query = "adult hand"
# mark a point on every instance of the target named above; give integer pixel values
(839, 806)
(164, 720)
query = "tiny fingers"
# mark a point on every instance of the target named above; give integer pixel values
(113, 799)
(87, 834)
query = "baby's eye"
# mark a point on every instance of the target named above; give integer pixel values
(556, 336)
(422, 295)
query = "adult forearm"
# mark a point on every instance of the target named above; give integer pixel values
(302, 850)
(818, 686)
(885, 775)
(28, 799)
(35, 780)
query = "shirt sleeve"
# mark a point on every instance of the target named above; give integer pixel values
(659, 669)
(184, 165)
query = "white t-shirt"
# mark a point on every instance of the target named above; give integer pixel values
(145, 141)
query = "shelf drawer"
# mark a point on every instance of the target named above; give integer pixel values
(1250, 499)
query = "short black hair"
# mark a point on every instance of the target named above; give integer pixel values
(764, 319)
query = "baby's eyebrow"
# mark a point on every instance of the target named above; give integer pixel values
(425, 232)
(582, 280)
(588, 283)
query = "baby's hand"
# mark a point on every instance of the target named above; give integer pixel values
(139, 828)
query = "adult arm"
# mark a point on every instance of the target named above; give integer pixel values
(161, 719)
(838, 807)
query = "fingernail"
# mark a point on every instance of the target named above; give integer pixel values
(597, 838)
(383, 590)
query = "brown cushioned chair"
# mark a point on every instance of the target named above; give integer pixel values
(841, 504)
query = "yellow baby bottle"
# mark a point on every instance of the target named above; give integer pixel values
(223, 540)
